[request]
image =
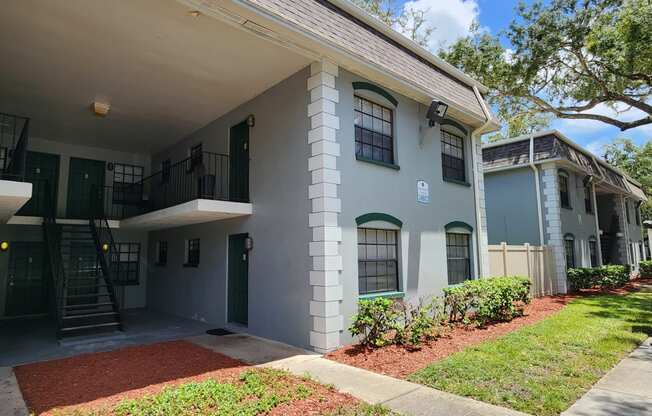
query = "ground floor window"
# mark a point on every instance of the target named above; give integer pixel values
(569, 248)
(127, 261)
(458, 254)
(192, 254)
(377, 260)
(593, 252)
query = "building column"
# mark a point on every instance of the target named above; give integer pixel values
(623, 235)
(598, 236)
(325, 276)
(481, 233)
(552, 223)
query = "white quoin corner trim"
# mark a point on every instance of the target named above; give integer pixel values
(325, 275)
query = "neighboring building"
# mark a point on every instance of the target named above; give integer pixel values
(545, 189)
(258, 165)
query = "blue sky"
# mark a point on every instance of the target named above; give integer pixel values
(451, 19)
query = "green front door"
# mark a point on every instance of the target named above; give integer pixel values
(238, 279)
(239, 163)
(26, 283)
(85, 174)
(42, 170)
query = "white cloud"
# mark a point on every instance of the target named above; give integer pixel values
(451, 19)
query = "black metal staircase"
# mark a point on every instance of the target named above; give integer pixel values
(83, 295)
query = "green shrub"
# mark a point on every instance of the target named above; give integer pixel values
(375, 320)
(495, 299)
(646, 268)
(603, 277)
(418, 323)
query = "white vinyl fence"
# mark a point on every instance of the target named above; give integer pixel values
(535, 262)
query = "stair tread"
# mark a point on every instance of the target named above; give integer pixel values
(87, 295)
(86, 305)
(89, 315)
(75, 328)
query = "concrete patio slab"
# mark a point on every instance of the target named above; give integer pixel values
(252, 350)
(625, 390)
(11, 399)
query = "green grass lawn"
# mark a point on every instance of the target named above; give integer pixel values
(544, 368)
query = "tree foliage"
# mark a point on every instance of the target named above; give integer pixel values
(409, 21)
(636, 161)
(569, 59)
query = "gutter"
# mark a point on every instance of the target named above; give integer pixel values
(488, 126)
(537, 184)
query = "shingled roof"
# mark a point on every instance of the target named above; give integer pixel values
(333, 25)
(552, 145)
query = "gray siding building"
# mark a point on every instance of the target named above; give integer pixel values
(543, 189)
(259, 166)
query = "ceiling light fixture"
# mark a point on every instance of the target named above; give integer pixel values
(100, 109)
(194, 13)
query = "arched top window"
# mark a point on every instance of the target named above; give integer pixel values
(458, 227)
(360, 86)
(373, 218)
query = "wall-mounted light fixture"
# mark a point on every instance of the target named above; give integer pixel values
(249, 244)
(251, 120)
(105, 247)
(436, 112)
(194, 13)
(4, 245)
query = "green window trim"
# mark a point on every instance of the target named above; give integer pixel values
(377, 162)
(375, 88)
(455, 181)
(391, 295)
(458, 224)
(449, 122)
(378, 216)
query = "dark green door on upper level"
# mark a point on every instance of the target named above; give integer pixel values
(239, 163)
(26, 280)
(42, 170)
(238, 279)
(84, 175)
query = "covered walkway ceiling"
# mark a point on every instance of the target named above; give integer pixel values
(164, 72)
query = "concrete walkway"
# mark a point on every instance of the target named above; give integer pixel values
(11, 400)
(625, 390)
(399, 395)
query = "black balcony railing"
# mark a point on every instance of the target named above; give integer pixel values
(204, 175)
(14, 135)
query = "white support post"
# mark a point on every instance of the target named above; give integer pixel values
(325, 277)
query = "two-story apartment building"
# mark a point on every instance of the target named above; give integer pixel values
(545, 189)
(258, 165)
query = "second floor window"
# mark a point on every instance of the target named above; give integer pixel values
(588, 203)
(452, 156)
(127, 183)
(564, 195)
(192, 255)
(373, 125)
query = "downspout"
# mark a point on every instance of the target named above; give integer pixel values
(537, 185)
(475, 135)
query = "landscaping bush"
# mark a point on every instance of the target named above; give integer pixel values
(646, 268)
(603, 277)
(375, 320)
(495, 299)
(418, 323)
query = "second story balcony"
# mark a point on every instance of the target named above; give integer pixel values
(203, 187)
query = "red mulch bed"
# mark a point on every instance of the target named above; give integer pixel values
(101, 380)
(400, 361)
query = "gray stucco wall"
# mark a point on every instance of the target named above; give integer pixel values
(369, 188)
(279, 290)
(512, 207)
(576, 220)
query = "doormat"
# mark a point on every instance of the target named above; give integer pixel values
(219, 332)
